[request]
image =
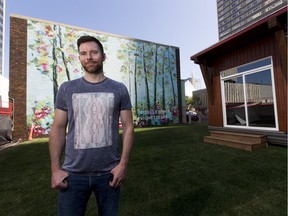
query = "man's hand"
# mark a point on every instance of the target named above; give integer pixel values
(58, 179)
(119, 175)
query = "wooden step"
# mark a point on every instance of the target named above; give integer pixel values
(248, 142)
(239, 136)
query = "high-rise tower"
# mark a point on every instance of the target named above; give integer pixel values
(2, 32)
(236, 15)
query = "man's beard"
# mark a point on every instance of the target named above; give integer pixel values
(95, 69)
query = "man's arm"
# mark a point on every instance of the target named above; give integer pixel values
(57, 139)
(120, 170)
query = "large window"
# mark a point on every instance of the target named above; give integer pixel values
(248, 96)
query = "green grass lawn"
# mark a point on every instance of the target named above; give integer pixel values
(172, 172)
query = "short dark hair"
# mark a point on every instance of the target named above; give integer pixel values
(88, 38)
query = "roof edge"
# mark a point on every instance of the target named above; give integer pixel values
(277, 13)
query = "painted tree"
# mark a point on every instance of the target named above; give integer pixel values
(172, 72)
(128, 54)
(53, 54)
(163, 84)
(155, 77)
(161, 78)
(145, 56)
(52, 57)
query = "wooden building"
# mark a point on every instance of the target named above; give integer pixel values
(246, 80)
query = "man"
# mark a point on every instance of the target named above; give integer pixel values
(90, 106)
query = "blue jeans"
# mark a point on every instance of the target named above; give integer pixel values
(73, 200)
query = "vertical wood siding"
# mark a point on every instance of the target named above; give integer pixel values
(262, 48)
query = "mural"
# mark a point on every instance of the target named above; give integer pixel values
(147, 69)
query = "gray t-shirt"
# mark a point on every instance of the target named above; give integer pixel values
(92, 142)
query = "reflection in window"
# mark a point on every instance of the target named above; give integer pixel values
(235, 103)
(254, 65)
(259, 94)
(249, 100)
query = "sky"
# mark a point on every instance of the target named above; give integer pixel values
(190, 25)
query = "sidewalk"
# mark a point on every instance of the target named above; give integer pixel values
(7, 145)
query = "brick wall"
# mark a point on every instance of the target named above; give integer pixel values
(17, 75)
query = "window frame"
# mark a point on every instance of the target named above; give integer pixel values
(243, 75)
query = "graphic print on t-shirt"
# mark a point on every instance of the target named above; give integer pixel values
(93, 114)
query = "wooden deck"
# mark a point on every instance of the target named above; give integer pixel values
(248, 142)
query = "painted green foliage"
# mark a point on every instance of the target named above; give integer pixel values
(152, 82)
(147, 69)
